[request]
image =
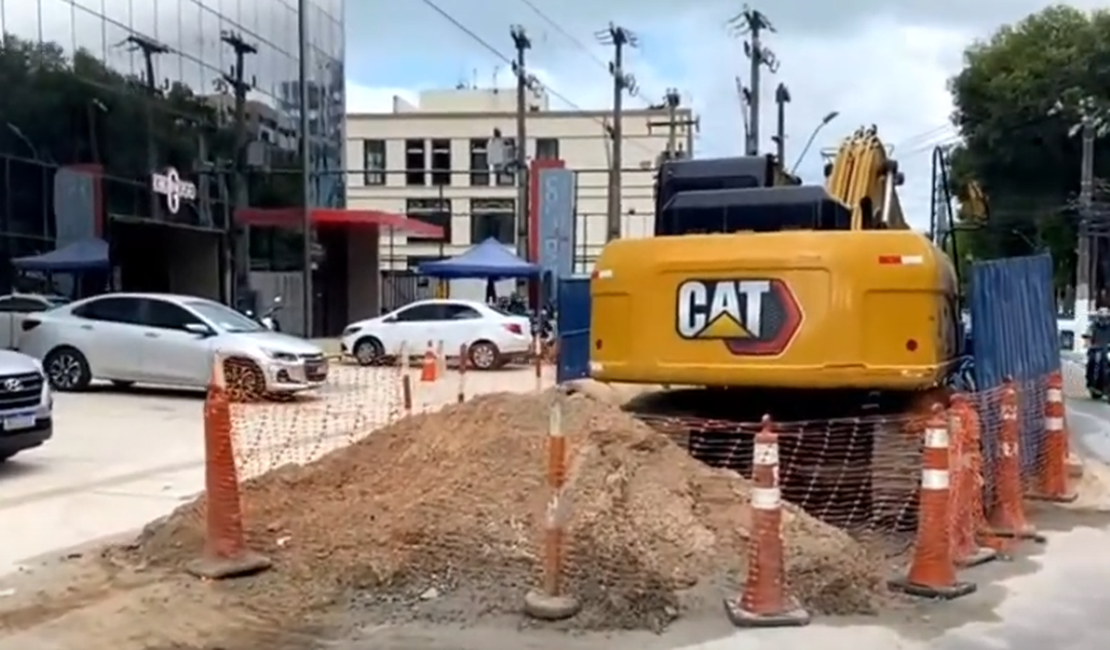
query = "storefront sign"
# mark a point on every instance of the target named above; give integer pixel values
(170, 185)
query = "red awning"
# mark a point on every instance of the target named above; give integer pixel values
(291, 218)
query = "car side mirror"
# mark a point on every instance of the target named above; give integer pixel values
(389, 319)
(199, 329)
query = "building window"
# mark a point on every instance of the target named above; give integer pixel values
(506, 176)
(479, 162)
(373, 162)
(493, 218)
(547, 148)
(416, 163)
(441, 162)
(434, 211)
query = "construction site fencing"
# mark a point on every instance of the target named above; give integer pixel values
(573, 328)
(545, 505)
(1013, 326)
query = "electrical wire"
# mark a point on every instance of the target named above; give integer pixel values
(508, 60)
(554, 24)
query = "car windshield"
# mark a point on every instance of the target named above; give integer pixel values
(495, 308)
(224, 317)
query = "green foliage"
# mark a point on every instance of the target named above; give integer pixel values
(1015, 144)
(77, 110)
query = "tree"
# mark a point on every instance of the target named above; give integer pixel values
(60, 110)
(1015, 145)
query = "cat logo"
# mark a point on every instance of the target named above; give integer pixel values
(751, 317)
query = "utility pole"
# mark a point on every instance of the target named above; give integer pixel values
(754, 23)
(522, 44)
(148, 49)
(235, 81)
(1087, 254)
(672, 101)
(1092, 123)
(304, 107)
(619, 38)
(782, 98)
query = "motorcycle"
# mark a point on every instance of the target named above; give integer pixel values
(269, 317)
(1098, 365)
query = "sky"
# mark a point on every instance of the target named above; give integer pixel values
(873, 62)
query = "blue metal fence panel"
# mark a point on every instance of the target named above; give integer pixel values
(574, 328)
(556, 226)
(1013, 327)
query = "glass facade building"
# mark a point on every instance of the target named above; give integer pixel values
(115, 111)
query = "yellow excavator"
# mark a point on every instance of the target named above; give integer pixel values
(755, 281)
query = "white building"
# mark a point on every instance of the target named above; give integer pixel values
(430, 161)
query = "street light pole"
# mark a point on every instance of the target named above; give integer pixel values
(832, 115)
(306, 169)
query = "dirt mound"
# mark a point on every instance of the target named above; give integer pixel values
(453, 503)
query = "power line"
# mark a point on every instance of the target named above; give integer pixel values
(509, 61)
(576, 41)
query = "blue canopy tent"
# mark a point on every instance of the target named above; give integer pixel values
(489, 259)
(84, 255)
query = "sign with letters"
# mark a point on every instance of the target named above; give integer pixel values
(750, 316)
(170, 185)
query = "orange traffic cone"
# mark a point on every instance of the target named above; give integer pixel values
(966, 488)
(764, 600)
(1007, 511)
(226, 554)
(1052, 472)
(429, 368)
(932, 571)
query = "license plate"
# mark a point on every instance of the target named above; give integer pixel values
(316, 370)
(18, 422)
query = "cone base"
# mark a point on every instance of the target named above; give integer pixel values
(982, 555)
(550, 608)
(949, 592)
(794, 616)
(1028, 533)
(221, 568)
(1054, 498)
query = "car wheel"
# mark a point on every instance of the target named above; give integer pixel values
(484, 356)
(122, 385)
(369, 351)
(245, 380)
(67, 369)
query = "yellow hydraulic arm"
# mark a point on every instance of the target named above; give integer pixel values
(864, 178)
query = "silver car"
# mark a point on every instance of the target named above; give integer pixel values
(26, 405)
(166, 339)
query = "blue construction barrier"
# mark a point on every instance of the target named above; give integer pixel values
(573, 324)
(1013, 329)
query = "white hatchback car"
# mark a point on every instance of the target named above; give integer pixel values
(154, 338)
(493, 337)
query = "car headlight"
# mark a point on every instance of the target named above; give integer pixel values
(278, 355)
(353, 329)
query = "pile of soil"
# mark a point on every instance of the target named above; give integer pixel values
(453, 503)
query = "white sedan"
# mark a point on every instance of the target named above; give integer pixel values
(493, 337)
(168, 339)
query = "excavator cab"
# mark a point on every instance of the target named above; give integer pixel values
(764, 209)
(679, 177)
